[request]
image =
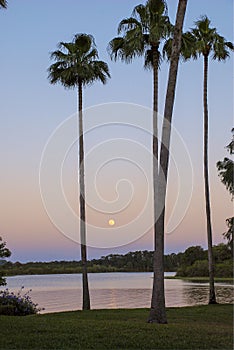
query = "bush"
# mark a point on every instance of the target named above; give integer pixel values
(198, 269)
(7, 310)
(12, 304)
(225, 269)
(4, 253)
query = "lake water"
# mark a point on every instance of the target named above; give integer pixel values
(63, 292)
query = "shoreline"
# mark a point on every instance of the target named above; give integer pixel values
(229, 280)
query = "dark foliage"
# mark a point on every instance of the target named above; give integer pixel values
(138, 261)
(12, 304)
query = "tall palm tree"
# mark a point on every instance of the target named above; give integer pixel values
(158, 311)
(208, 43)
(142, 35)
(76, 66)
(3, 4)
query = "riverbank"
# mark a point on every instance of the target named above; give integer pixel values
(192, 262)
(200, 327)
(228, 280)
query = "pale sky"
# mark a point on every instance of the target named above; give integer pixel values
(31, 110)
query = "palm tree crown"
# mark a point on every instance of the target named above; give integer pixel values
(207, 41)
(142, 32)
(76, 62)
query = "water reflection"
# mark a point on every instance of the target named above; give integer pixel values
(113, 290)
(198, 293)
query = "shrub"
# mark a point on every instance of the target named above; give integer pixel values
(198, 269)
(225, 269)
(12, 304)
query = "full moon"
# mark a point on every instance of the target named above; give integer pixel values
(111, 222)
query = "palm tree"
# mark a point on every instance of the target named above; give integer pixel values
(208, 42)
(142, 35)
(3, 4)
(158, 311)
(77, 66)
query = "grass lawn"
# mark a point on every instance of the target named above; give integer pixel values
(198, 327)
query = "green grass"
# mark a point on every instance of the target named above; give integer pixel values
(200, 327)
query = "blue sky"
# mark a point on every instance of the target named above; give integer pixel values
(31, 109)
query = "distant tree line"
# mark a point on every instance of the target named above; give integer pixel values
(191, 263)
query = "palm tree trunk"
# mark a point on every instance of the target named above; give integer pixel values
(158, 312)
(212, 298)
(157, 259)
(86, 298)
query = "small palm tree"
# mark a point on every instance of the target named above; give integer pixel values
(208, 43)
(142, 35)
(3, 4)
(77, 66)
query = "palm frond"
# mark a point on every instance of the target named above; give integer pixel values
(115, 48)
(100, 71)
(230, 146)
(3, 4)
(93, 54)
(221, 48)
(167, 49)
(226, 169)
(58, 55)
(128, 24)
(157, 7)
(68, 46)
(141, 13)
(229, 45)
(160, 28)
(188, 46)
(129, 46)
